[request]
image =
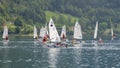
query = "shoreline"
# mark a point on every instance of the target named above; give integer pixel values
(19, 35)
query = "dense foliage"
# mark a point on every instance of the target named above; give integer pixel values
(22, 12)
(21, 15)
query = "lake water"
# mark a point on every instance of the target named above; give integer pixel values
(25, 53)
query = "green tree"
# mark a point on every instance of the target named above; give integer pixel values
(18, 22)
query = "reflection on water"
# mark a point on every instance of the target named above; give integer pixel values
(30, 54)
(96, 56)
(77, 57)
(5, 43)
(5, 58)
(52, 57)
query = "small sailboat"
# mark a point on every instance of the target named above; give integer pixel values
(112, 34)
(5, 34)
(43, 34)
(47, 33)
(63, 33)
(96, 30)
(53, 33)
(35, 33)
(100, 41)
(64, 40)
(77, 33)
(95, 33)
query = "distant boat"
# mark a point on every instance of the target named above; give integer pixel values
(35, 33)
(43, 34)
(95, 33)
(63, 32)
(46, 27)
(112, 34)
(77, 32)
(100, 41)
(96, 30)
(5, 33)
(53, 33)
(64, 39)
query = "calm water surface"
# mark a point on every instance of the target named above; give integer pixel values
(25, 53)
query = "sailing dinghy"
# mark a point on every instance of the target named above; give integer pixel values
(112, 34)
(95, 34)
(53, 34)
(35, 36)
(35, 33)
(43, 34)
(5, 34)
(77, 33)
(63, 37)
(63, 33)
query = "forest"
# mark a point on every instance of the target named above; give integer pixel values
(22, 15)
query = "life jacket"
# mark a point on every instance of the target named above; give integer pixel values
(6, 38)
(47, 36)
(63, 36)
(44, 39)
(100, 40)
(114, 35)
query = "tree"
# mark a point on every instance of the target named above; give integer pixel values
(18, 22)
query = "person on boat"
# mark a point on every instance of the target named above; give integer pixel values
(100, 40)
(114, 36)
(57, 43)
(73, 41)
(44, 39)
(47, 37)
(63, 36)
(6, 38)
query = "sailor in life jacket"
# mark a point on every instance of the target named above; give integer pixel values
(114, 36)
(6, 38)
(44, 39)
(100, 40)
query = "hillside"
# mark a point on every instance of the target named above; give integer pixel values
(23, 14)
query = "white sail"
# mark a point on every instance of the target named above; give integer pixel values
(5, 32)
(46, 29)
(112, 34)
(54, 37)
(41, 32)
(96, 29)
(77, 31)
(35, 32)
(63, 32)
